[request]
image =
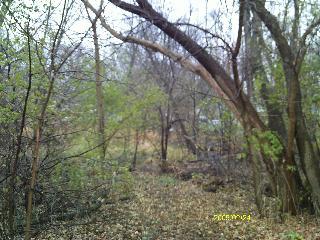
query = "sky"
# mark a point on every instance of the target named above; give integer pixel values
(176, 9)
(195, 11)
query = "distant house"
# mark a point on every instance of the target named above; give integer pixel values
(204, 119)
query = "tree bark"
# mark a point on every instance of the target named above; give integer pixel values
(134, 160)
(274, 111)
(253, 159)
(165, 132)
(99, 94)
(190, 144)
(248, 73)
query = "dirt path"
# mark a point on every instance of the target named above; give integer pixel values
(166, 208)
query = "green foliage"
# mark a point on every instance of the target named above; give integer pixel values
(131, 110)
(268, 142)
(84, 175)
(167, 180)
(122, 184)
(178, 154)
(292, 236)
(276, 89)
(311, 98)
(198, 177)
(7, 115)
(291, 168)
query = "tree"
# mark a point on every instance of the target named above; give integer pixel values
(230, 87)
(51, 73)
(292, 56)
(99, 90)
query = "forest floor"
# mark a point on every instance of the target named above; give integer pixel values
(163, 207)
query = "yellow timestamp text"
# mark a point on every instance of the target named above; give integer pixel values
(231, 217)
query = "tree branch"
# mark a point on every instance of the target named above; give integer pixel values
(308, 31)
(230, 49)
(195, 68)
(272, 24)
(224, 81)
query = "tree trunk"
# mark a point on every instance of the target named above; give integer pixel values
(190, 144)
(165, 130)
(248, 74)
(36, 153)
(134, 160)
(275, 118)
(14, 166)
(253, 159)
(309, 157)
(35, 162)
(297, 130)
(99, 94)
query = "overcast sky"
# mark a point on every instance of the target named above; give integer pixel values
(195, 11)
(198, 11)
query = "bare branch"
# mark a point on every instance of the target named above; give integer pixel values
(272, 24)
(308, 31)
(219, 79)
(188, 64)
(207, 32)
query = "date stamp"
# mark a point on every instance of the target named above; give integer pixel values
(231, 217)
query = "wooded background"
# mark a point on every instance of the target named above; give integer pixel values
(81, 111)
